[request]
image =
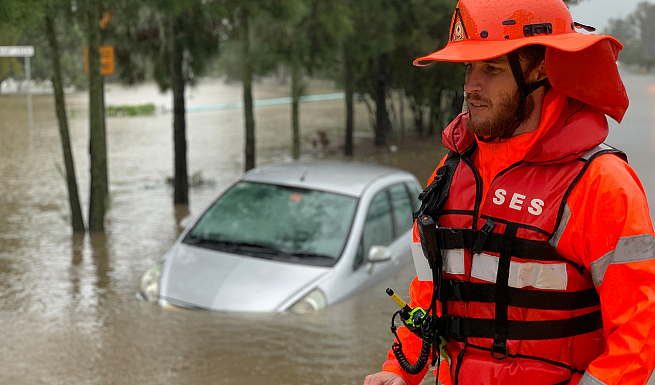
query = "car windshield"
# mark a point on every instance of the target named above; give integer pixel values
(277, 222)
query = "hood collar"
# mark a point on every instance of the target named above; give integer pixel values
(568, 129)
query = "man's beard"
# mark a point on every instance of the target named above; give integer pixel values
(507, 117)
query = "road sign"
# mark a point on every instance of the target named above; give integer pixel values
(24, 51)
(17, 51)
(107, 66)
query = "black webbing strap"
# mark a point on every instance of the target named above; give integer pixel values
(501, 324)
(524, 90)
(455, 238)
(460, 327)
(530, 299)
(434, 196)
(517, 71)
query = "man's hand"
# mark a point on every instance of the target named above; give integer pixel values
(384, 378)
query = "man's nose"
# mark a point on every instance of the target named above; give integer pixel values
(472, 83)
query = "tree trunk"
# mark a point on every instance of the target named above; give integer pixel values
(247, 92)
(296, 90)
(104, 129)
(435, 113)
(381, 118)
(459, 103)
(348, 87)
(60, 106)
(180, 180)
(97, 137)
(402, 115)
(417, 111)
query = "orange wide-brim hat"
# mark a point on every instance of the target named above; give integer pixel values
(579, 65)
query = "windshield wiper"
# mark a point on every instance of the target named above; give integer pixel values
(307, 255)
(265, 251)
(232, 245)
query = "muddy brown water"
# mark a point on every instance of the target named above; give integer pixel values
(67, 303)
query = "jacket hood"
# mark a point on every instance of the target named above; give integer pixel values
(578, 128)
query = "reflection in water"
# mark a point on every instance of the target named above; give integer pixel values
(181, 212)
(100, 256)
(67, 303)
(77, 245)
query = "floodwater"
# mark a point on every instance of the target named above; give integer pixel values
(67, 303)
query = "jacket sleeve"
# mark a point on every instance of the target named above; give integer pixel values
(420, 293)
(608, 229)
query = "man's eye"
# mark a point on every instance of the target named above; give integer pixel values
(492, 69)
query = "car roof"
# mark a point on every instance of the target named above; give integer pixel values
(348, 178)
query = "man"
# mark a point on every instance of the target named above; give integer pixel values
(548, 250)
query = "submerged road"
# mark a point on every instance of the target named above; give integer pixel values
(67, 303)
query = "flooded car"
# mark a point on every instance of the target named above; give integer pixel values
(294, 236)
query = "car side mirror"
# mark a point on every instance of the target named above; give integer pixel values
(379, 254)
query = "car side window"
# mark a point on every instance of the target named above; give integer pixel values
(402, 208)
(378, 229)
(414, 191)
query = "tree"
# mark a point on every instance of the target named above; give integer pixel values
(9, 35)
(637, 34)
(179, 38)
(625, 31)
(246, 17)
(423, 28)
(644, 19)
(306, 36)
(243, 17)
(381, 51)
(366, 60)
(39, 17)
(348, 87)
(98, 193)
(77, 222)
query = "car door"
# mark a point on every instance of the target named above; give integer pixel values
(388, 222)
(403, 207)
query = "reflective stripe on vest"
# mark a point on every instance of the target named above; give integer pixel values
(543, 276)
(635, 248)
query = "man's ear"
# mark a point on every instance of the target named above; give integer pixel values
(539, 72)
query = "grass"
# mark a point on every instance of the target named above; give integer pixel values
(127, 110)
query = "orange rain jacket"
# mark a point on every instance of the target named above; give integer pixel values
(607, 229)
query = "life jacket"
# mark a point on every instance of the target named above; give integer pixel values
(514, 310)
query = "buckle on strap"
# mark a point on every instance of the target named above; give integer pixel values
(454, 289)
(482, 236)
(499, 350)
(453, 326)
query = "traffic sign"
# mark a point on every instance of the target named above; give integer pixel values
(107, 66)
(17, 51)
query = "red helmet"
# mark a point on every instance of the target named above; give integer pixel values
(582, 66)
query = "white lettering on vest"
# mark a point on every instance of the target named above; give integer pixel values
(536, 206)
(500, 197)
(517, 201)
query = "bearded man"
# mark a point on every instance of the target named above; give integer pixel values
(545, 273)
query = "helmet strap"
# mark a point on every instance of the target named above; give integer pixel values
(524, 89)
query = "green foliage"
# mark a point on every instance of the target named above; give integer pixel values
(637, 34)
(71, 40)
(23, 25)
(141, 35)
(129, 110)
(401, 31)
(9, 35)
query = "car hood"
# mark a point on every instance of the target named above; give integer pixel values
(215, 280)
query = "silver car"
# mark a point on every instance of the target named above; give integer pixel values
(294, 236)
